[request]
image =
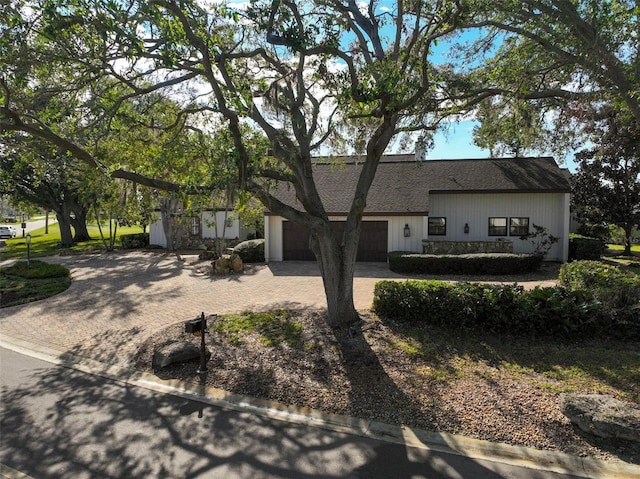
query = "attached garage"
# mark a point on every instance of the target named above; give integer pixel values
(372, 247)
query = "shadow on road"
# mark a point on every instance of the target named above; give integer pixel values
(58, 422)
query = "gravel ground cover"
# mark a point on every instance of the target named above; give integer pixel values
(498, 389)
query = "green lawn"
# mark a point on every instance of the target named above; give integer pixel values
(24, 282)
(47, 244)
(618, 248)
(613, 253)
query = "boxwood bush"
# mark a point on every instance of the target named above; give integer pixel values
(251, 251)
(546, 312)
(481, 263)
(582, 247)
(136, 240)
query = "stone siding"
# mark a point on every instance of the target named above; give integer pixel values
(466, 247)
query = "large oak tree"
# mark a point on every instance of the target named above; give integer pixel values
(312, 77)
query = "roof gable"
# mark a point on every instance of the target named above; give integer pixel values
(402, 184)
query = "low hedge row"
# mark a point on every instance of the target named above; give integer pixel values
(136, 240)
(509, 309)
(482, 263)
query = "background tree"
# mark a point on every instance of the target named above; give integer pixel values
(563, 56)
(39, 173)
(510, 127)
(607, 183)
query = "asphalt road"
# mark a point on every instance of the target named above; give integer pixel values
(59, 422)
(31, 225)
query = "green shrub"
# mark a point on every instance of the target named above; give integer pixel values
(506, 309)
(435, 302)
(596, 274)
(250, 251)
(584, 248)
(560, 312)
(136, 240)
(36, 269)
(617, 289)
(483, 263)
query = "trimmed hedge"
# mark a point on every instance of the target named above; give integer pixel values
(481, 263)
(582, 247)
(503, 309)
(250, 251)
(136, 240)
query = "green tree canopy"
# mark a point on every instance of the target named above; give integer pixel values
(311, 77)
(564, 57)
(607, 182)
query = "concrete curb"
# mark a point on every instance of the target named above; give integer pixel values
(413, 437)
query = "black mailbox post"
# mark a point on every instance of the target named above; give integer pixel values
(198, 327)
(194, 326)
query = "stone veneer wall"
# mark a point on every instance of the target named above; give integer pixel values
(466, 247)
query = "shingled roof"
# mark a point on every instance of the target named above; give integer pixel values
(402, 185)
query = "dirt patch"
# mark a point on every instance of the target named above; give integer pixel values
(375, 374)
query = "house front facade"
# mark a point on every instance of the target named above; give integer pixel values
(195, 230)
(436, 206)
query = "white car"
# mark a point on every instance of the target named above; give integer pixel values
(7, 232)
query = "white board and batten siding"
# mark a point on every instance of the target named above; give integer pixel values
(549, 210)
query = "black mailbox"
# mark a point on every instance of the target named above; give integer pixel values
(194, 325)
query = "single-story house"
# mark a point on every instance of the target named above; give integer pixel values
(197, 228)
(436, 206)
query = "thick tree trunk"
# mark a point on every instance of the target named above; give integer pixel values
(170, 210)
(66, 235)
(628, 229)
(337, 266)
(79, 224)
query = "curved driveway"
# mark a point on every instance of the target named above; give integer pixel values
(116, 300)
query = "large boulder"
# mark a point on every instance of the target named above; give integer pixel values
(251, 251)
(222, 265)
(603, 416)
(236, 264)
(176, 352)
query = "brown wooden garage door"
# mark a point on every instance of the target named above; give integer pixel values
(372, 246)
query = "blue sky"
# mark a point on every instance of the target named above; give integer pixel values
(457, 143)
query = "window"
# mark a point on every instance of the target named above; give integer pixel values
(194, 227)
(497, 226)
(437, 226)
(518, 226)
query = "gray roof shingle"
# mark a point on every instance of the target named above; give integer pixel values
(402, 184)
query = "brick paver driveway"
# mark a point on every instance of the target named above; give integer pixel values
(117, 300)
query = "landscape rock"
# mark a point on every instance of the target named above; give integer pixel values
(603, 416)
(222, 265)
(236, 263)
(226, 264)
(176, 352)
